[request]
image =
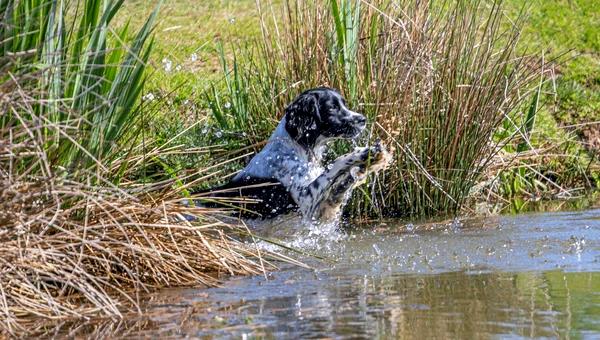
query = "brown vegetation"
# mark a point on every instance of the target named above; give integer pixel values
(74, 245)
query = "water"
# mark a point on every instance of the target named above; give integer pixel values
(531, 275)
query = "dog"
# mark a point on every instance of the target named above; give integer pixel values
(287, 174)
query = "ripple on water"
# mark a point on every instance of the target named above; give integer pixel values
(534, 275)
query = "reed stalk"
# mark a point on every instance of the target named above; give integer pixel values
(436, 79)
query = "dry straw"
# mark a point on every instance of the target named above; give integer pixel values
(70, 248)
(81, 233)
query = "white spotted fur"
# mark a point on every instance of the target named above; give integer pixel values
(319, 192)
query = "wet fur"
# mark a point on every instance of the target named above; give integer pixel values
(287, 175)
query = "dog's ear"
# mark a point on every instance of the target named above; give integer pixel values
(303, 119)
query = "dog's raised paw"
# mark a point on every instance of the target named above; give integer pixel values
(380, 158)
(370, 152)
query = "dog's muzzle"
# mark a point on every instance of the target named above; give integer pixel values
(358, 123)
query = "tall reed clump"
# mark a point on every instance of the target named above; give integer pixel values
(79, 235)
(89, 74)
(436, 79)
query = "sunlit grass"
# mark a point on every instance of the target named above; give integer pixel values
(551, 29)
(187, 36)
(84, 228)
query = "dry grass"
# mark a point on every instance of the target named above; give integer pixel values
(82, 231)
(75, 245)
(437, 81)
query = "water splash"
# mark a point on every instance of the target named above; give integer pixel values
(295, 232)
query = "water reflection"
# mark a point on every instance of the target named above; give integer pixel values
(535, 275)
(450, 305)
(551, 304)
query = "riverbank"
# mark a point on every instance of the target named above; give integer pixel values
(83, 231)
(109, 126)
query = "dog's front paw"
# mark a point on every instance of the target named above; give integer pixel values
(377, 157)
(369, 153)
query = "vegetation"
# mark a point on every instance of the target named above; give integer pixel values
(541, 155)
(529, 157)
(83, 81)
(97, 108)
(80, 234)
(436, 88)
(562, 158)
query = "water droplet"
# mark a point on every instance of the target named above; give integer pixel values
(377, 250)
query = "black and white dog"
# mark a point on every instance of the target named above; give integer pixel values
(287, 174)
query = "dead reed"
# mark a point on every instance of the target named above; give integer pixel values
(73, 244)
(436, 79)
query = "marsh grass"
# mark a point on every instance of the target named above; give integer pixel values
(82, 232)
(436, 80)
(76, 245)
(72, 249)
(89, 73)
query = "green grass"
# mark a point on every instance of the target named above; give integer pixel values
(186, 27)
(88, 73)
(553, 27)
(556, 27)
(570, 101)
(188, 34)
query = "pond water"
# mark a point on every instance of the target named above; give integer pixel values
(529, 275)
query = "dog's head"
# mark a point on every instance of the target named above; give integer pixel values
(320, 114)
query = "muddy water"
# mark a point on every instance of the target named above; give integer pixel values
(531, 275)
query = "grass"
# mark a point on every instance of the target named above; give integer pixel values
(83, 231)
(556, 26)
(551, 26)
(83, 76)
(188, 34)
(561, 160)
(565, 134)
